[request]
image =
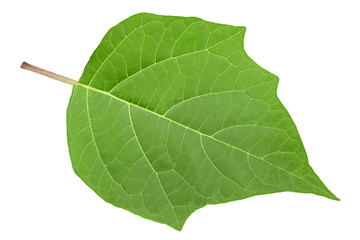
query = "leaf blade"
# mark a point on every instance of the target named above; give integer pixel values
(202, 124)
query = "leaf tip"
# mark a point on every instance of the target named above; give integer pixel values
(332, 196)
(335, 198)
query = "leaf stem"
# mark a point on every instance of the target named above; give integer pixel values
(49, 74)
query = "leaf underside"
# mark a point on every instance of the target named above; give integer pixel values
(174, 115)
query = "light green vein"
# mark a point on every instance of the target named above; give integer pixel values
(148, 161)
(168, 59)
(93, 139)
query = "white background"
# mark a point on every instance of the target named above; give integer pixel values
(313, 46)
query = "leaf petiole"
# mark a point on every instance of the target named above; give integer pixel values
(49, 74)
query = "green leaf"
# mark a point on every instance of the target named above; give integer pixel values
(173, 115)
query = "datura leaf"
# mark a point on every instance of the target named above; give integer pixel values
(173, 115)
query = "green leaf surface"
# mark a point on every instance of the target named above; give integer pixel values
(173, 115)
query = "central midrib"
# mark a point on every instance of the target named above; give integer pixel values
(200, 133)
